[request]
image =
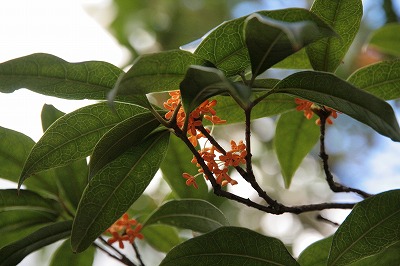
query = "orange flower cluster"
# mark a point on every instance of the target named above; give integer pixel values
(308, 108)
(124, 229)
(205, 110)
(219, 166)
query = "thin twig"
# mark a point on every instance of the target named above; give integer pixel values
(334, 186)
(107, 252)
(325, 220)
(123, 259)
(139, 258)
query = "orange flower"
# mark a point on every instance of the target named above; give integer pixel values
(191, 180)
(308, 108)
(122, 230)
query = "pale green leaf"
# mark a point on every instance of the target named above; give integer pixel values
(317, 253)
(64, 256)
(387, 39)
(161, 237)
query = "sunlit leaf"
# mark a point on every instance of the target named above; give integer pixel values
(18, 250)
(157, 72)
(121, 137)
(197, 215)
(225, 46)
(269, 41)
(327, 89)
(298, 60)
(386, 39)
(230, 246)
(50, 75)
(295, 136)
(316, 254)
(112, 191)
(380, 79)
(370, 228)
(201, 83)
(72, 178)
(344, 16)
(180, 156)
(64, 256)
(74, 136)
(161, 237)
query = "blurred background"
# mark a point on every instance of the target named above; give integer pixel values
(118, 31)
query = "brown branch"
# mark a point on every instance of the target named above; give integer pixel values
(123, 258)
(139, 258)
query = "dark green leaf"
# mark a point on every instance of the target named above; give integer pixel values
(71, 179)
(19, 224)
(295, 136)
(371, 227)
(180, 156)
(197, 215)
(327, 89)
(269, 41)
(344, 16)
(50, 75)
(112, 191)
(387, 39)
(225, 46)
(157, 72)
(230, 246)
(161, 237)
(298, 60)
(380, 79)
(317, 253)
(64, 256)
(121, 137)
(201, 83)
(17, 251)
(74, 136)
(389, 256)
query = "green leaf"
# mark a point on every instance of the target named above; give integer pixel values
(195, 214)
(64, 256)
(327, 89)
(230, 246)
(201, 83)
(295, 136)
(17, 251)
(50, 75)
(380, 79)
(74, 136)
(157, 72)
(317, 253)
(386, 39)
(225, 46)
(269, 41)
(344, 16)
(121, 137)
(112, 191)
(180, 156)
(370, 228)
(72, 178)
(389, 256)
(298, 60)
(161, 237)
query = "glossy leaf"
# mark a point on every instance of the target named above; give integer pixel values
(14, 149)
(316, 254)
(344, 16)
(295, 136)
(387, 39)
(201, 83)
(225, 46)
(72, 178)
(380, 79)
(121, 137)
(230, 246)
(50, 75)
(161, 237)
(112, 191)
(74, 136)
(197, 215)
(64, 256)
(269, 41)
(157, 72)
(18, 250)
(327, 89)
(180, 156)
(370, 228)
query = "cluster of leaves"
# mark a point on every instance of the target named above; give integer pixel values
(67, 198)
